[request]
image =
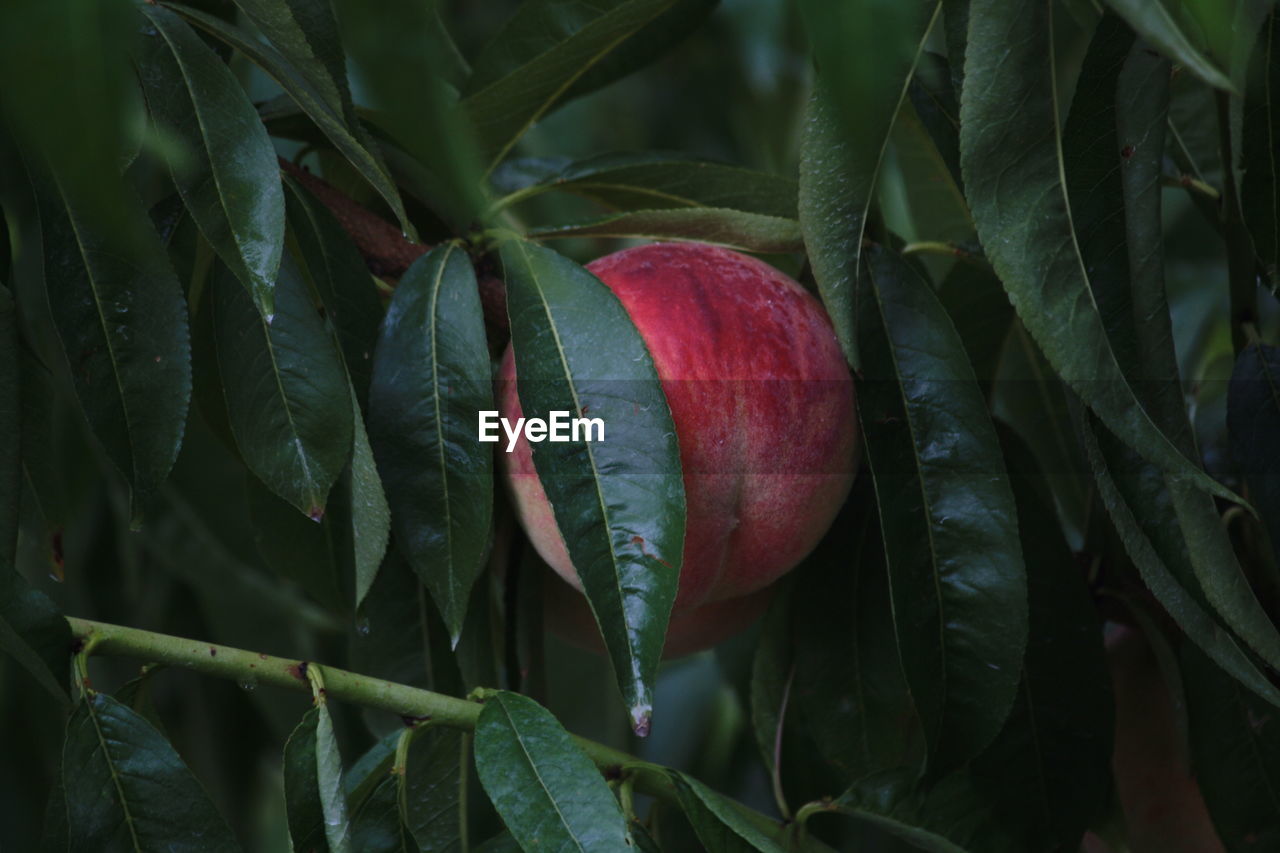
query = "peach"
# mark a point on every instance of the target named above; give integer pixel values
(763, 406)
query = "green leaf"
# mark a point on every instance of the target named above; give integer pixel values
(1260, 139)
(285, 387)
(1253, 422)
(1134, 496)
(1154, 20)
(225, 169)
(658, 180)
(126, 788)
(771, 673)
(1235, 749)
(431, 378)
(430, 799)
(1049, 769)
(619, 503)
(335, 269)
(849, 689)
(315, 98)
(946, 512)
(719, 823)
(734, 229)
(547, 792)
(404, 78)
(313, 786)
(1114, 145)
(296, 548)
(867, 53)
(120, 315)
(375, 822)
(558, 42)
(982, 315)
(938, 107)
(1020, 207)
(514, 46)
(370, 515)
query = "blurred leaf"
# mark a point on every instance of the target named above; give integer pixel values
(431, 378)
(771, 674)
(734, 229)
(313, 786)
(1051, 763)
(404, 57)
(126, 788)
(1160, 24)
(122, 321)
(1260, 136)
(285, 387)
(226, 168)
(391, 627)
(546, 790)
(135, 694)
(1134, 495)
(947, 514)
(1253, 423)
(526, 34)
(1020, 207)
(659, 180)
(333, 265)
(620, 503)
(27, 607)
(55, 835)
(980, 310)
(315, 98)
(295, 547)
(547, 47)
(718, 822)
(866, 54)
(933, 198)
(938, 107)
(431, 805)
(1235, 749)
(849, 687)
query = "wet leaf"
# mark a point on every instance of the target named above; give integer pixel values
(226, 169)
(719, 823)
(431, 379)
(619, 503)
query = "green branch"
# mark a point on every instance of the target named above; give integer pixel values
(100, 638)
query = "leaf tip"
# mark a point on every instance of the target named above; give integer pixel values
(641, 719)
(316, 514)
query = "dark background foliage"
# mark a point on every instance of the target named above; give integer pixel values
(1046, 233)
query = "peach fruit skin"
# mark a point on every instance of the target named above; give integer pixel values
(763, 406)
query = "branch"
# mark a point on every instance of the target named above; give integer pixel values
(100, 638)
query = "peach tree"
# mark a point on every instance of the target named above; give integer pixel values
(935, 499)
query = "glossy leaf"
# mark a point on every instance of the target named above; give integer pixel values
(1260, 137)
(286, 390)
(1235, 749)
(120, 315)
(559, 41)
(225, 169)
(1253, 423)
(313, 786)
(1133, 494)
(867, 53)
(370, 516)
(431, 378)
(339, 275)
(619, 503)
(315, 98)
(430, 796)
(947, 515)
(1020, 208)
(718, 822)
(126, 788)
(655, 181)
(735, 229)
(1157, 23)
(1114, 144)
(548, 793)
(1051, 763)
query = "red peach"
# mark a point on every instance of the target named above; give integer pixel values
(763, 407)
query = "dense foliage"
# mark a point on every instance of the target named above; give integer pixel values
(261, 261)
